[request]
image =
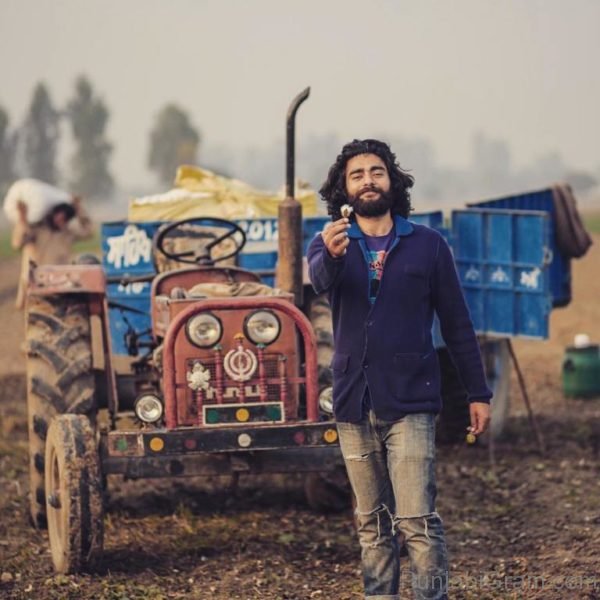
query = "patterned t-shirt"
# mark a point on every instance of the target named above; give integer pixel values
(378, 247)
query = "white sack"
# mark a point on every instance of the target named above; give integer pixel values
(39, 197)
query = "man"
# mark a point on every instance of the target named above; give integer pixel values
(50, 241)
(386, 277)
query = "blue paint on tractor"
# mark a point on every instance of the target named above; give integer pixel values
(506, 259)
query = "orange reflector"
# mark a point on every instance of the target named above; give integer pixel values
(157, 444)
(242, 414)
(330, 436)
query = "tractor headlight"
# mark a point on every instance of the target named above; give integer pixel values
(148, 408)
(262, 327)
(326, 400)
(204, 330)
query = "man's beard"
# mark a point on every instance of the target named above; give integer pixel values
(371, 208)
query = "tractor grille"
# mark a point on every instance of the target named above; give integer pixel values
(231, 388)
(268, 395)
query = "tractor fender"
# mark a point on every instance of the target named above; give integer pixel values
(66, 279)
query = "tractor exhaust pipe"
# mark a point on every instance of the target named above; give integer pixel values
(289, 264)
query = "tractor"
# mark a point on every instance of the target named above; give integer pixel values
(230, 377)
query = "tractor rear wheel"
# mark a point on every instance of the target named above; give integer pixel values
(454, 418)
(324, 490)
(74, 494)
(59, 378)
(319, 314)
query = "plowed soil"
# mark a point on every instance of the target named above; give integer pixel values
(520, 523)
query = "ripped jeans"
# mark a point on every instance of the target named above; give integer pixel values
(391, 469)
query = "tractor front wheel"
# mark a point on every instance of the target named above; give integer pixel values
(73, 484)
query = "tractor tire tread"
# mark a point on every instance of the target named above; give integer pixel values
(81, 547)
(59, 377)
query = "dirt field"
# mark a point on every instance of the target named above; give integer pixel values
(528, 527)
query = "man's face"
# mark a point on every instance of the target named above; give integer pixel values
(368, 185)
(59, 219)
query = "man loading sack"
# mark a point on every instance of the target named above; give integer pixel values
(47, 221)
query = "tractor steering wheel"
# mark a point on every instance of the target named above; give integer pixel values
(204, 234)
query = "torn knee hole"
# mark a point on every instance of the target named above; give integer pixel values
(382, 508)
(358, 457)
(364, 517)
(433, 515)
(426, 518)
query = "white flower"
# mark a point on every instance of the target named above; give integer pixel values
(346, 210)
(198, 378)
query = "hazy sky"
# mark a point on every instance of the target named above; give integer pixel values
(524, 70)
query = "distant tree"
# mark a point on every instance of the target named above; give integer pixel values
(7, 147)
(173, 142)
(90, 175)
(40, 135)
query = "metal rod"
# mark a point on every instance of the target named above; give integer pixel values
(283, 381)
(530, 415)
(262, 376)
(219, 374)
(198, 396)
(291, 140)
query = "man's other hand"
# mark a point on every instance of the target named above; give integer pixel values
(76, 202)
(22, 211)
(480, 417)
(335, 236)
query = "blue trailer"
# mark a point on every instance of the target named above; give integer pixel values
(506, 258)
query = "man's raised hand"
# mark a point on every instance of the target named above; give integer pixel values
(335, 236)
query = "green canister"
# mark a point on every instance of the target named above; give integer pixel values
(581, 371)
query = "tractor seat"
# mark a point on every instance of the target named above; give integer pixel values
(231, 289)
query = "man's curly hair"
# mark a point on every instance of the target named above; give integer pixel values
(333, 191)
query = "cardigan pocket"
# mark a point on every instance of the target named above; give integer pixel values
(416, 377)
(415, 278)
(415, 271)
(340, 362)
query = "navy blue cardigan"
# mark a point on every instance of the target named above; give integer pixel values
(388, 345)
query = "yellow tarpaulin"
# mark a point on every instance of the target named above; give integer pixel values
(202, 193)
